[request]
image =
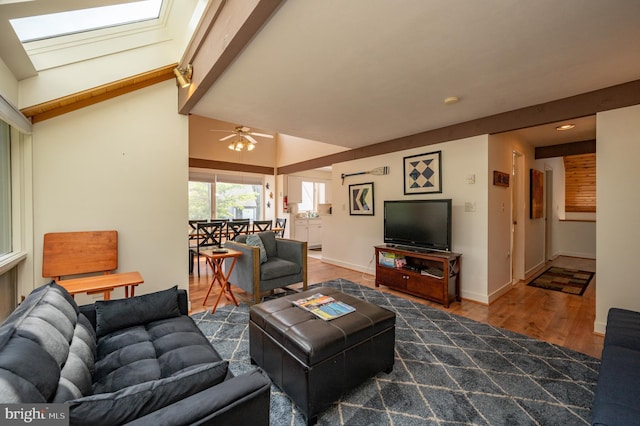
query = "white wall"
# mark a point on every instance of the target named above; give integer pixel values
(618, 233)
(119, 164)
(568, 238)
(8, 84)
(289, 151)
(349, 240)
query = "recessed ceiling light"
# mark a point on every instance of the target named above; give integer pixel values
(451, 100)
(565, 127)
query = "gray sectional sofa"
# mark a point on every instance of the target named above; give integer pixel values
(617, 399)
(140, 360)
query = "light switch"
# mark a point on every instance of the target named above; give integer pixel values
(469, 207)
(471, 179)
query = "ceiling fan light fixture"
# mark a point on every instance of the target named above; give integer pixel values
(250, 146)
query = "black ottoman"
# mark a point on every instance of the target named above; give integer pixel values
(314, 361)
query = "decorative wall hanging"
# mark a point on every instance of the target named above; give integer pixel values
(423, 173)
(500, 178)
(361, 199)
(384, 170)
(537, 194)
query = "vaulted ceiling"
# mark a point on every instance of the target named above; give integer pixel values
(361, 72)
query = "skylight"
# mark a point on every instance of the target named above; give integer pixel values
(42, 27)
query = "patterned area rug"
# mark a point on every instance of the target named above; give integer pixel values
(448, 370)
(566, 280)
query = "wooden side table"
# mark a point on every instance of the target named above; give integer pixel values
(215, 260)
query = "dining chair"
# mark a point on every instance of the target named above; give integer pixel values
(237, 227)
(281, 222)
(209, 234)
(262, 225)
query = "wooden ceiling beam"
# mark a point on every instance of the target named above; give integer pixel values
(565, 149)
(75, 101)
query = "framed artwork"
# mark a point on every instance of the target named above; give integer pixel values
(361, 199)
(423, 173)
(537, 194)
(500, 178)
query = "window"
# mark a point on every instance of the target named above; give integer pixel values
(312, 195)
(580, 183)
(225, 197)
(5, 189)
(32, 28)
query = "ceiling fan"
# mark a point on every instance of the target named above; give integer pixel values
(243, 133)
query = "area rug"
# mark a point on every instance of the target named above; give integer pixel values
(566, 280)
(448, 370)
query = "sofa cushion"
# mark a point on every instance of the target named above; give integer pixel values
(269, 240)
(138, 400)
(617, 401)
(623, 328)
(113, 315)
(148, 352)
(34, 344)
(76, 377)
(277, 268)
(254, 240)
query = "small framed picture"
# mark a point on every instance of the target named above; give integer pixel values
(361, 199)
(500, 178)
(423, 173)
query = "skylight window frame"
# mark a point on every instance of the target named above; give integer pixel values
(101, 29)
(64, 50)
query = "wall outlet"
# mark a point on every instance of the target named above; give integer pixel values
(469, 207)
(471, 179)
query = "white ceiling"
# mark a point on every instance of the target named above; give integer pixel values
(358, 72)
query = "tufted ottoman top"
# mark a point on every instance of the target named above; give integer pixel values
(311, 339)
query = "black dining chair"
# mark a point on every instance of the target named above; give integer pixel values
(209, 235)
(281, 222)
(262, 225)
(237, 227)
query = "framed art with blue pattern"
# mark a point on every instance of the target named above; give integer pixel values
(423, 173)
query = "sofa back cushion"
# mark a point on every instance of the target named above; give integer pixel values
(113, 315)
(269, 240)
(76, 377)
(34, 345)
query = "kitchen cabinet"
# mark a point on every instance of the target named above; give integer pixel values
(309, 230)
(294, 189)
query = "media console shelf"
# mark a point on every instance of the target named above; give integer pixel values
(431, 275)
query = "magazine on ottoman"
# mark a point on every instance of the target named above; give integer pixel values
(324, 307)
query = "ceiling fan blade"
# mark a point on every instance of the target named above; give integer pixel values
(228, 137)
(251, 139)
(264, 135)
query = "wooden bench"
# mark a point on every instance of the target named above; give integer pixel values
(83, 253)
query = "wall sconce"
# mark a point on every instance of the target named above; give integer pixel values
(183, 75)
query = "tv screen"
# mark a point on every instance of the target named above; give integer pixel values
(418, 223)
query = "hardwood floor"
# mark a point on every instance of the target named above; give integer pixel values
(552, 316)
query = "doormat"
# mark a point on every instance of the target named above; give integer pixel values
(566, 280)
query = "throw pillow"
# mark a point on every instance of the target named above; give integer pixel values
(254, 240)
(112, 315)
(139, 400)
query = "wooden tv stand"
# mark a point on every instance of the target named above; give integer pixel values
(413, 278)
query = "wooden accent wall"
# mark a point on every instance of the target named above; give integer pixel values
(580, 183)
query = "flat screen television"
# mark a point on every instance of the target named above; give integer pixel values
(418, 223)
